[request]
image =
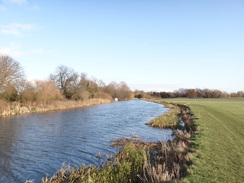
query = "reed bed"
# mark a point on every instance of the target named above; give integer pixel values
(15, 108)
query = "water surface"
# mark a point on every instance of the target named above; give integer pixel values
(35, 144)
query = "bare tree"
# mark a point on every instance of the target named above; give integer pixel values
(124, 90)
(87, 86)
(120, 91)
(112, 89)
(11, 74)
(240, 93)
(66, 79)
(191, 93)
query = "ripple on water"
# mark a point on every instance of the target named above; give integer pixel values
(36, 144)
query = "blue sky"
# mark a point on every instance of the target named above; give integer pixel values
(160, 45)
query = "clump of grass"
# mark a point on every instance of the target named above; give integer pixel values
(167, 120)
(121, 142)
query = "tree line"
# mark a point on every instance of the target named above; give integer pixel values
(63, 84)
(67, 84)
(195, 93)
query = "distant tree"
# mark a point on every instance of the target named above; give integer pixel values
(12, 78)
(165, 95)
(124, 91)
(101, 84)
(141, 94)
(191, 93)
(67, 80)
(200, 93)
(112, 89)
(73, 85)
(233, 94)
(90, 85)
(118, 90)
(207, 93)
(240, 94)
(181, 92)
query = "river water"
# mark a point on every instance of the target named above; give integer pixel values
(34, 145)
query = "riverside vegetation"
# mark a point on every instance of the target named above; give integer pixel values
(18, 95)
(139, 161)
(65, 88)
(15, 108)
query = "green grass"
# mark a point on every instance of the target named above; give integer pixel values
(167, 120)
(123, 168)
(219, 143)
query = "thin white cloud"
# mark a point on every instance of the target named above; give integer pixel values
(15, 50)
(11, 52)
(16, 28)
(18, 2)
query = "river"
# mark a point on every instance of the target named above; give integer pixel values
(34, 145)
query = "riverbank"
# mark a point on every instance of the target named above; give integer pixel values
(139, 161)
(16, 108)
(168, 120)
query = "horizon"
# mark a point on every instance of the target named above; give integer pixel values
(152, 46)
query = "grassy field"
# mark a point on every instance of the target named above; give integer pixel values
(219, 144)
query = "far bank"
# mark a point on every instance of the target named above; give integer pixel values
(17, 108)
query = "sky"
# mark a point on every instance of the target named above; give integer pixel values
(159, 45)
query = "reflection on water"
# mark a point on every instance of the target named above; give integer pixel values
(36, 144)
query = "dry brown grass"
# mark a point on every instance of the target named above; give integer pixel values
(14, 108)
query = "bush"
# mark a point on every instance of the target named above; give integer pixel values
(42, 91)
